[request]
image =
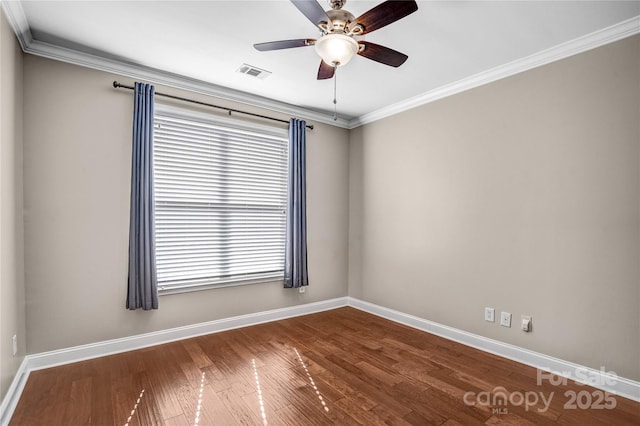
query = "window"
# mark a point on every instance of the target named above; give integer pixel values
(220, 201)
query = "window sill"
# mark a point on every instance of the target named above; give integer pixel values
(210, 286)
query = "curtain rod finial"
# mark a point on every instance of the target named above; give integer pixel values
(115, 84)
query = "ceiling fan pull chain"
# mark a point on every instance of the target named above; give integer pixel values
(335, 100)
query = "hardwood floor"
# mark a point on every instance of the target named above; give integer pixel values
(337, 367)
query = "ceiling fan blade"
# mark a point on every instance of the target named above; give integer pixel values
(313, 11)
(382, 54)
(325, 71)
(384, 14)
(284, 44)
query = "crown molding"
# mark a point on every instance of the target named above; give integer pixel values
(18, 21)
(176, 81)
(573, 47)
(20, 25)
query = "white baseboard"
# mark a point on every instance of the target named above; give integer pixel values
(596, 378)
(12, 397)
(546, 364)
(109, 347)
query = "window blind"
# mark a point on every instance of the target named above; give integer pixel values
(220, 203)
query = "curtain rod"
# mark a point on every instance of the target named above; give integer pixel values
(124, 86)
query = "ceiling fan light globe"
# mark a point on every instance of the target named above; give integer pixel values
(336, 49)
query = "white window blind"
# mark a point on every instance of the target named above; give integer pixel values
(220, 202)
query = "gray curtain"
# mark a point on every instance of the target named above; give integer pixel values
(143, 281)
(295, 264)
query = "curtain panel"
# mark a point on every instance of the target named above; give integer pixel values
(295, 268)
(143, 283)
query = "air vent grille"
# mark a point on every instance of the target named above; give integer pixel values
(252, 71)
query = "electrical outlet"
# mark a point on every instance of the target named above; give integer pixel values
(525, 324)
(14, 342)
(489, 314)
(302, 289)
(505, 319)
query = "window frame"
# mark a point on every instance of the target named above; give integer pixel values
(231, 123)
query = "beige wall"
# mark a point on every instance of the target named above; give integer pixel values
(522, 195)
(12, 306)
(77, 170)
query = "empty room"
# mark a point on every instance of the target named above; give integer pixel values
(318, 212)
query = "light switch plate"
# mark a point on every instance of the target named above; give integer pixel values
(489, 314)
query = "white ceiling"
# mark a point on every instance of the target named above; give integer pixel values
(447, 42)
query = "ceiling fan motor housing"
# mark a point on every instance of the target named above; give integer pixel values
(340, 20)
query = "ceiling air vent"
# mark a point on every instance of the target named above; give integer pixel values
(253, 71)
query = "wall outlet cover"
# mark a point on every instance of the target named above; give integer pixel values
(505, 319)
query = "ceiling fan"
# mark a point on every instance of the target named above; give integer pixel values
(338, 43)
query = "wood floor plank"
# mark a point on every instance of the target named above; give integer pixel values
(388, 418)
(102, 404)
(354, 379)
(79, 409)
(161, 388)
(180, 420)
(342, 367)
(198, 356)
(352, 414)
(239, 410)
